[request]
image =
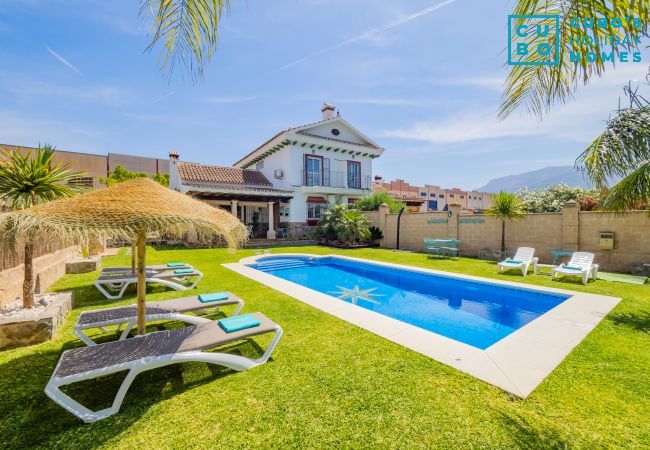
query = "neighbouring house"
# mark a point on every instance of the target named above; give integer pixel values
(433, 198)
(292, 177)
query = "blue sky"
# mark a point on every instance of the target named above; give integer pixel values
(422, 78)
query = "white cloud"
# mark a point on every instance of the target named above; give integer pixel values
(163, 97)
(377, 101)
(64, 61)
(370, 35)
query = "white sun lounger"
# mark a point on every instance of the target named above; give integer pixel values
(118, 283)
(165, 310)
(525, 257)
(581, 265)
(127, 270)
(148, 352)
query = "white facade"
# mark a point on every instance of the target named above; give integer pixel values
(328, 160)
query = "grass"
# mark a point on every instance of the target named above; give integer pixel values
(331, 384)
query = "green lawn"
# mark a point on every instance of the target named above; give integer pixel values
(331, 384)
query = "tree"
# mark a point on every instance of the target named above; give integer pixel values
(120, 174)
(187, 31)
(373, 201)
(537, 87)
(553, 198)
(505, 207)
(27, 180)
(622, 150)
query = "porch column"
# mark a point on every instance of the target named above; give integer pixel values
(233, 207)
(271, 233)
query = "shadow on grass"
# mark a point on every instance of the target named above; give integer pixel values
(28, 418)
(639, 322)
(525, 435)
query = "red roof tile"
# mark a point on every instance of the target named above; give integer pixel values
(224, 175)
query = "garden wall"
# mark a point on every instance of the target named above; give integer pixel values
(569, 230)
(48, 268)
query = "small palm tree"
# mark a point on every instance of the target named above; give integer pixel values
(506, 207)
(27, 180)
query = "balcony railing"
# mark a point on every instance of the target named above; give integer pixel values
(329, 178)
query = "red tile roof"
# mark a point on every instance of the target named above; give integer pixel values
(223, 175)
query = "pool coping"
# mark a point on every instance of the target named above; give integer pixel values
(517, 363)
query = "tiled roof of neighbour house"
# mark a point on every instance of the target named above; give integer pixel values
(222, 175)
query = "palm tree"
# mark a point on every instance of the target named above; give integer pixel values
(187, 31)
(506, 207)
(622, 150)
(537, 87)
(27, 180)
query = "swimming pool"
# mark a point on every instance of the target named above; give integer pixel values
(473, 312)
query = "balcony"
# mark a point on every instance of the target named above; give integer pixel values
(329, 178)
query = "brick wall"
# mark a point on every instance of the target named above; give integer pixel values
(571, 230)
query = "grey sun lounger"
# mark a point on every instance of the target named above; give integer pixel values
(165, 310)
(113, 286)
(148, 352)
(127, 270)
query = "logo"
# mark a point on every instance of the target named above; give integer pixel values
(534, 40)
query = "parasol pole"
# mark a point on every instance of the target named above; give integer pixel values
(133, 252)
(142, 285)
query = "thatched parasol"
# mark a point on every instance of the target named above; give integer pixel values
(128, 210)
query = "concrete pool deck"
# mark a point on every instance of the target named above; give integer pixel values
(517, 363)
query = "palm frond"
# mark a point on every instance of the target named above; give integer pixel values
(620, 148)
(537, 87)
(187, 31)
(632, 192)
(505, 206)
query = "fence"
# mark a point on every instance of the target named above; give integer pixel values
(571, 229)
(14, 258)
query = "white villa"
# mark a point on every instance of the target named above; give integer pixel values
(283, 186)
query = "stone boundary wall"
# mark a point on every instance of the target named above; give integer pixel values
(571, 229)
(47, 270)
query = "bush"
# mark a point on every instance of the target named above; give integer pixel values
(374, 200)
(342, 224)
(552, 198)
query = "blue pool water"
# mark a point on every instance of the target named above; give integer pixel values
(476, 313)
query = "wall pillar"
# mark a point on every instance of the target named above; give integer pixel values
(452, 221)
(570, 225)
(271, 233)
(233, 207)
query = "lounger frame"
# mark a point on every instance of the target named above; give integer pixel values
(121, 283)
(131, 322)
(136, 367)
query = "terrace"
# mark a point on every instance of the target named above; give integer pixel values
(331, 383)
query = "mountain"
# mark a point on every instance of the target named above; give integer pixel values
(547, 176)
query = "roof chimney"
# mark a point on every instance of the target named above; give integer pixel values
(173, 155)
(328, 111)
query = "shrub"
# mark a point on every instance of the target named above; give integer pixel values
(373, 201)
(553, 198)
(342, 224)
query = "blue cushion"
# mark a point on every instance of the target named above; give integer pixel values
(213, 297)
(238, 323)
(183, 271)
(176, 264)
(566, 266)
(513, 261)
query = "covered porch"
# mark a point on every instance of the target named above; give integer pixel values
(265, 213)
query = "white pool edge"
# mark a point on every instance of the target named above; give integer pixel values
(517, 363)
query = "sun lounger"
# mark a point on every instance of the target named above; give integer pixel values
(581, 265)
(156, 268)
(113, 286)
(165, 310)
(148, 352)
(524, 257)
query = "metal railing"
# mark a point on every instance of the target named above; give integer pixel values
(330, 178)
